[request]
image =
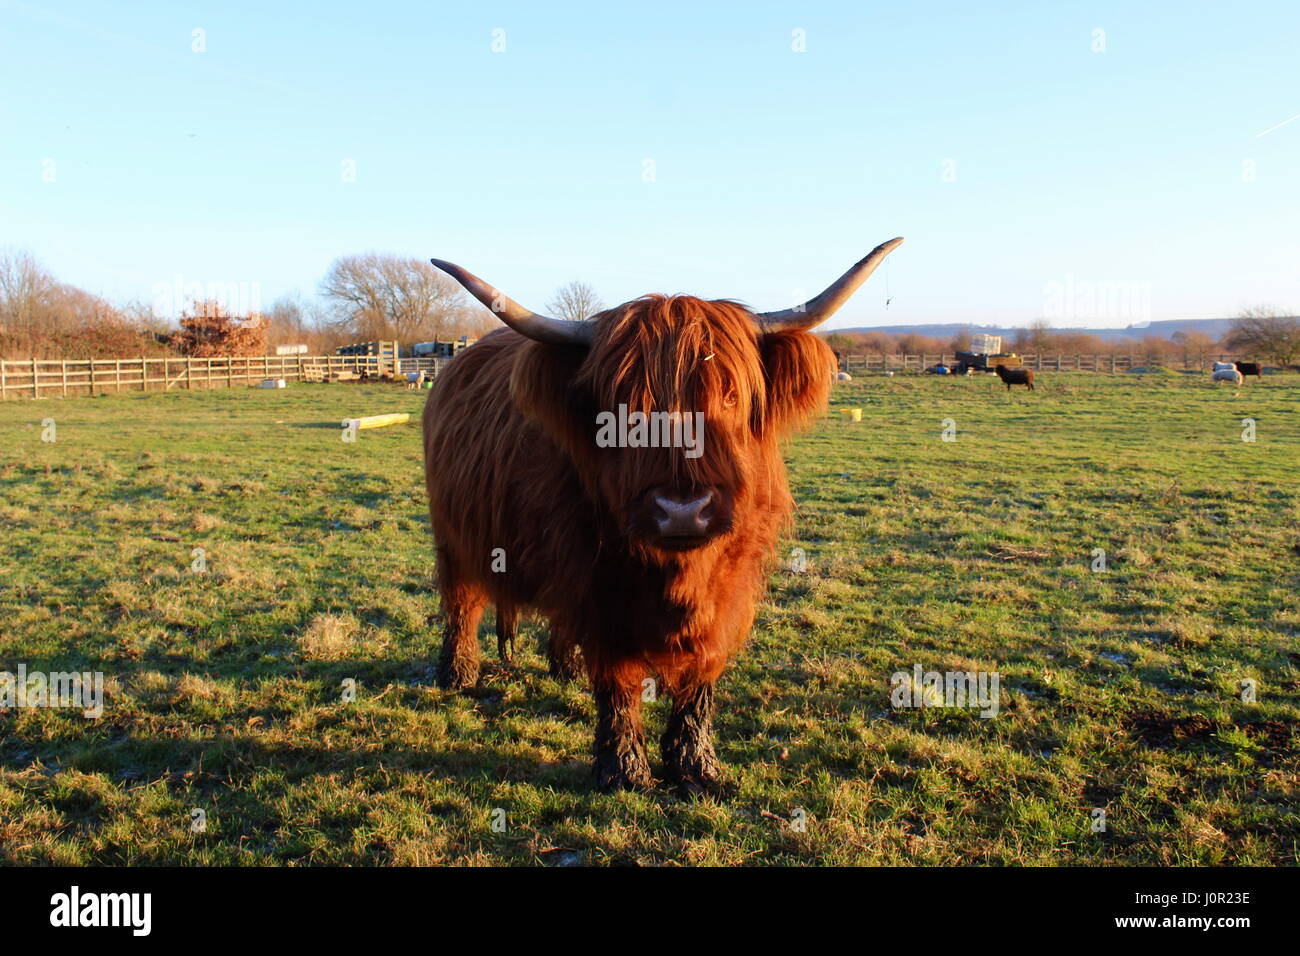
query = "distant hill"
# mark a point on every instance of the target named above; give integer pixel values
(1164, 329)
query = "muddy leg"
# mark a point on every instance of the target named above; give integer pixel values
(687, 743)
(621, 762)
(507, 620)
(462, 605)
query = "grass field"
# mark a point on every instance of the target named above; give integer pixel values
(1120, 689)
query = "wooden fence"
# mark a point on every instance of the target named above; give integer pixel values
(48, 378)
(882, 362)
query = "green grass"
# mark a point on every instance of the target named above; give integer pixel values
(1119, 689)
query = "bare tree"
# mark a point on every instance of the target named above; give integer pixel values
(377, 296)
(1196, 344)
(575, 301)
(1035, 337)
(1266, 331)
(287, 320)
(912, 343)
(1155, 350)
(42, 317)
(26, 293)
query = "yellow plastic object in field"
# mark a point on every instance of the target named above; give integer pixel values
(379, 421)
(855, 414)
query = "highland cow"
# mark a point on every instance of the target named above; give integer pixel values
(647, 560)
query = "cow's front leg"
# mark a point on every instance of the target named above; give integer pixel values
(621, 762)
(687, 743)
(458, 662)
(462, 606)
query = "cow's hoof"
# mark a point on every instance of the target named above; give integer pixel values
(457, 676)
(699, 782)
(566, 673)
(613, 774)
(565, 666)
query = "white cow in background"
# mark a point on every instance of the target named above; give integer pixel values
(1225, 372)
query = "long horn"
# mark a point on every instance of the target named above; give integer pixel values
(541, 328)
(818, 310)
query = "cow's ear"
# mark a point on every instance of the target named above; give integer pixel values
(799, 369)
(544, 386)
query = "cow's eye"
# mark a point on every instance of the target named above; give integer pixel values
(730, 399)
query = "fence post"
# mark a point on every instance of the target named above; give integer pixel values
(36, 384)
(2, 380)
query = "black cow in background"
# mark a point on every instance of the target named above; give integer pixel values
(1250, 368)
(1016, 376)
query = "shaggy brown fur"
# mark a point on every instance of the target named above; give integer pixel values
(512, 463)
(1016, 376)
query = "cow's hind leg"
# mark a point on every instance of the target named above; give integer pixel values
(507, 622)
(621, 762)
(462, 606)
(687, 744)
(562, 653)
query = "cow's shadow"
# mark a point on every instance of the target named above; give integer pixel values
(112, 745)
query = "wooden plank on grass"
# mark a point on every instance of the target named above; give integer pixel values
(379, 421)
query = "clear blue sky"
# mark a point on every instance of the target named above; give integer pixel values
(774, 170)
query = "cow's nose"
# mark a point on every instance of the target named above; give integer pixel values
(678, 517)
